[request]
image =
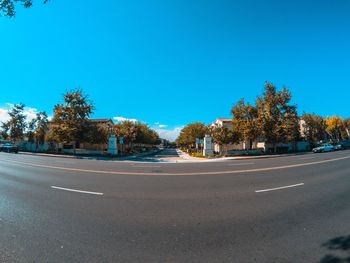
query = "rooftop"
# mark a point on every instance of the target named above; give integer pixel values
(224, 119)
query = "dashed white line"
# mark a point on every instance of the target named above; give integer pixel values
(279, 188)
(76, 190)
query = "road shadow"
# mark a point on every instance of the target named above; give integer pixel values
(339, 250)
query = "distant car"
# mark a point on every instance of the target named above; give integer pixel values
(324, 148)
(339, 147)
(342, 145)
(9, 148)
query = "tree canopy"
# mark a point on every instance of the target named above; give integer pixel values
(222, 135)
(278, 119)
(272, 118)
(38, 128)
(14, 128)
(136, 132)
(190, 132)
(70, 119)
(8, 7)
(314, 127)
(245, 121)
(336, 129)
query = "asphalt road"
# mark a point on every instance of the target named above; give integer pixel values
(287, 209)
(161, 156)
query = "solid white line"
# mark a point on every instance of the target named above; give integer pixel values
(75, 190)
(146, 166)
(234, 164)
(190, 173)
(278, 188)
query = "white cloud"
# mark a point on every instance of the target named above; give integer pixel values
(4, 115)
(29, 112)
(169, 134)
(121, 118)
(158, 125)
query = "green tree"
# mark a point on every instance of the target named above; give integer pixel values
(245, 122)
(38, 128)
(4, 133)
(15, 127)
(127, 130)
(290, 119)
(190, 132)
(136, 132)
(314, 127)
(7, 7)
(277, 118)
(145, 135)
(222, 135)
(70, 122)
(97, 133)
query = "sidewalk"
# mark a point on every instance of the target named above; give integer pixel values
(186, 156)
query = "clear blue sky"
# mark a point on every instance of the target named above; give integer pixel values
(174, 62)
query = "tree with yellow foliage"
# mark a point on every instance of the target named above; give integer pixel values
(335, 127)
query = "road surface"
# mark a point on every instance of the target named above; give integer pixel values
(287, 209)
(166, 155)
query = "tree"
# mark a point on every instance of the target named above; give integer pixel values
(335, 128)
(15, 127)
(189, 134)
(38, 128)
(145, 135)
(136, 132)
(4, 133)
(7, 7)
(97, 133)
(127, 130)
(70, 119)
(290, 118)
(277, 118)
(222, 135)
(314, 127)
(245, 121)
(347, 126)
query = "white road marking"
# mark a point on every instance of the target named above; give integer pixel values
(140, 166)
(75, 190)
(307, 158)
(165, 174)
(234, 164)
(279, 188)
